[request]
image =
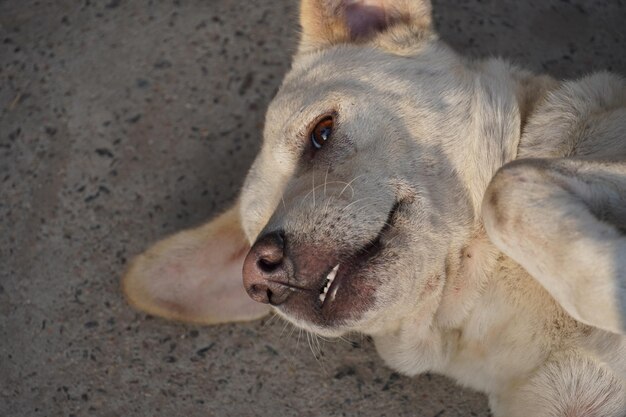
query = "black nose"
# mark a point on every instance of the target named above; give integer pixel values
(265, 272)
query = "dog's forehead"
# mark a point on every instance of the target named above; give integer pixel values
(356, 74)
(335, 73)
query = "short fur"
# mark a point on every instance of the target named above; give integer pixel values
(504, 266)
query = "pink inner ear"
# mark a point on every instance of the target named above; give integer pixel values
(365, 18)
(195, 275)
(203, 283)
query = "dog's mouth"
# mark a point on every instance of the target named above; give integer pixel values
(347, 288)
(353, 264)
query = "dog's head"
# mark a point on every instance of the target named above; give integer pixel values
(366, 184)
(354, 202)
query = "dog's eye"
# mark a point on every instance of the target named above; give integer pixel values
(321, 132)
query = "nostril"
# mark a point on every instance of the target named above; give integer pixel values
(280, 238)
(260, 293)
(268, 266)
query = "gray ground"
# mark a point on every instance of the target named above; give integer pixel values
(123, 121)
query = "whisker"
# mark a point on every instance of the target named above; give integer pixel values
(308, 339)
(349, 185)
(325, 339)
(284, 327)
(298, 340)
(319, 345)
(320, 186)
(326, 180)
(313, 177)
(316, 350)
(270, 319)
(357, 201)
(362, 208)
(328, 200)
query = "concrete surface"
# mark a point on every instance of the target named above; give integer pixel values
(122, 121)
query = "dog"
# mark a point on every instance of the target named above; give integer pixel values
(470, 216)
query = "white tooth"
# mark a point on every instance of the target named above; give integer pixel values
(329, 280)
(332, 296)
(332, 274)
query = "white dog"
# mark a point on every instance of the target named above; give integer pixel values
(469, 215)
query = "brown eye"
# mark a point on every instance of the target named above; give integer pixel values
(322, 132)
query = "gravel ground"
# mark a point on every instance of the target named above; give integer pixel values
(123, 121)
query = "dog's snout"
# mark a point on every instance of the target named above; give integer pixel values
(265, 273)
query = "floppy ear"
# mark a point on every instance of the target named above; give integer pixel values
(195, 275)
(329, 22)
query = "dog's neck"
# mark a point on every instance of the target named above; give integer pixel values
(505, 99)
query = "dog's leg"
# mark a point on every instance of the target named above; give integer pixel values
(569, 384)
(195, 275)
(564, 221)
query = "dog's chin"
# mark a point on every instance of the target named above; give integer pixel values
(349, 290)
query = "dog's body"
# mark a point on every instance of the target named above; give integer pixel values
(400, 222)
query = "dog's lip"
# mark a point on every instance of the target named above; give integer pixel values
(355, 263)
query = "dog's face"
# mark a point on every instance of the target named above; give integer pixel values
(353, 200)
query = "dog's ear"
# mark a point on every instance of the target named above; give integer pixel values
(329, 22)
(195, 275)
